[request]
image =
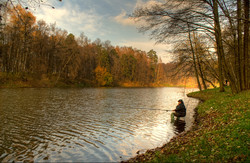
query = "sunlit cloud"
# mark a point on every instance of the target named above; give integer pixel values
(147, 45)
(123, 19)
(73, 20)
(148, 4)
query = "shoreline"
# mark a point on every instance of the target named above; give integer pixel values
(79, 86)
(50, 82)
(146, 156)
(214, 135)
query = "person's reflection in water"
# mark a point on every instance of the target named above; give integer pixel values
(179, 125)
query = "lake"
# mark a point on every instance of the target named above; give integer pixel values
(90, 124)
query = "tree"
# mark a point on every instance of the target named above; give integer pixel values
(153, 60)
(175, 18)
(200, 52)
(22, 27)
(194, 60)
(160, 76)
(71, 61)
(26, 4)
(103, 77)
(128, 67)
(246, 72)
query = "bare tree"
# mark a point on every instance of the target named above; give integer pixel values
(171, 20)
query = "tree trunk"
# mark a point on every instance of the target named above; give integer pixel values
(240, 64)
(198, 53)
(219, 45)
(246, 71)
(63, 68)
(194, 61)
(233, 32)
(231, 76)
(201, 72)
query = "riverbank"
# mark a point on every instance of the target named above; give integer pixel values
(28, 81)
(220, 132)
(20, 84)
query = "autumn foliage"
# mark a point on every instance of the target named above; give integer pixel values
(39, 54)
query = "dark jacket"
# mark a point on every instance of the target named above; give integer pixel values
(181, 109)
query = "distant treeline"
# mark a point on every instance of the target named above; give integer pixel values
(33, 51)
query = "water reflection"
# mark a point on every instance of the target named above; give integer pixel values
(86, 124)
(179, 125)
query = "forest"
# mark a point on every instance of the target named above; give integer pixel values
(37, 54)
(210, 41)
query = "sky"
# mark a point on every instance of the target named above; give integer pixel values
(104, 19)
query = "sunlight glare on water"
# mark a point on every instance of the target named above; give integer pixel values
(92, 124)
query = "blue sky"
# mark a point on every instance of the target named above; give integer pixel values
(104, 19)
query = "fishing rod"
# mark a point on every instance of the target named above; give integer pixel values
(149, 109)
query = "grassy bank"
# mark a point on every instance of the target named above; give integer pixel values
(220, 133)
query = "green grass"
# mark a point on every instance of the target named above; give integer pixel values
(220, 135)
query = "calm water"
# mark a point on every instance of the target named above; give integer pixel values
(87, 124)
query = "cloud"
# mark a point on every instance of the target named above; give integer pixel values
(148, 4)
(72, 18)
(123, 19)
(147, 45)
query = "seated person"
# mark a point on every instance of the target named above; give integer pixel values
(180, 110)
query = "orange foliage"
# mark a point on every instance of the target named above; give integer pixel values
(22, 17)
(103, 77)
